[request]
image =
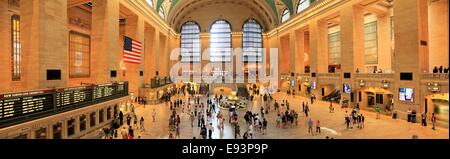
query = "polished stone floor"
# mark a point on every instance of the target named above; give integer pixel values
(332, 124)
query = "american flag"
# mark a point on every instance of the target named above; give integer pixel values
(132, 51)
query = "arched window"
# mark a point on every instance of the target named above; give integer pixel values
(286, 15)
(162, 13)
(149, 2)
(252, 42)
(190, 42)
(220, 42)
(16, 48)
(302, 5)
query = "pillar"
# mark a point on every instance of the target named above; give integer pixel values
(134, 29)
(44, 40)
(300, 51)
(5, 55)
(149, 55)
(352, 45)
(105, 38)
(411, 49)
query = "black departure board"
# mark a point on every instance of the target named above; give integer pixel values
(71, 96)
(20, 107)
(121, 87)
(20, 104)
(103, 91)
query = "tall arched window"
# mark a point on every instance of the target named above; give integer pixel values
(286, 15)
(162, 13)
(149, 2)
(16, 48)
(252, 42)
(220, 42)
(302, 5)
(190, 42)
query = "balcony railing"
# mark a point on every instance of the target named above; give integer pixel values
(435, 76)
(381, 76)
(329, 75)
(156, 83)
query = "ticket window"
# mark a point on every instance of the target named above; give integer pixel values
(108, 113)
(41, 133)
(92, 118)
(101, 115)
(57, 131)
(116, 108)
(70, 127)
(83, 121)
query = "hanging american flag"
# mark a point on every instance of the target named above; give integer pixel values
(132, 51)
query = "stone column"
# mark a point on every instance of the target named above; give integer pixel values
(164, 55)
(5, 55)
(149, 55)
(352, 45)
(134, 29)
(44, 36)
(300, 51)
(157, 50)
(293, 49)
(411, 49)
(105, 53)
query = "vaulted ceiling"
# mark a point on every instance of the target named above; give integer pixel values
(266, 12)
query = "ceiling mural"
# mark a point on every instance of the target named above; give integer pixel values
(177, 11)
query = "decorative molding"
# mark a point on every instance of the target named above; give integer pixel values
(82, 23)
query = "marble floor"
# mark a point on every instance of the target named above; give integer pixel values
(332, 124)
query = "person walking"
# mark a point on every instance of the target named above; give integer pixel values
(192, 118)
(120, 118)
(310, 125)
(128, 120)
(210, 131)
(130, 133)
(433, 121)
(135, 121)
(318, 127)
(124, 133)
(362, 121)
(264, 124)
(303, 106)
(377, 110)
(237, 131)
(347, 120)
(177, 132)
(306, 110)
(331, 107)
(424, 119)
(154, 115)
(141, 122)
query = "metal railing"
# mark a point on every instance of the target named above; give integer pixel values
(375, 75)
(156, 83)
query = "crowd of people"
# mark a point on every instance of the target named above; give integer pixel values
(441, 69)
(202, 110)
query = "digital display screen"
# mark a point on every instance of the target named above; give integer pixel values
(406, 94)
(313, 85)
(25, 106)
(70, 96)
(19, 104)
(347, 88)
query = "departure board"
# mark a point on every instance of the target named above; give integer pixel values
(24, 106)
(20, 104)
(72, 96)
(121, 87)
(102, 91)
